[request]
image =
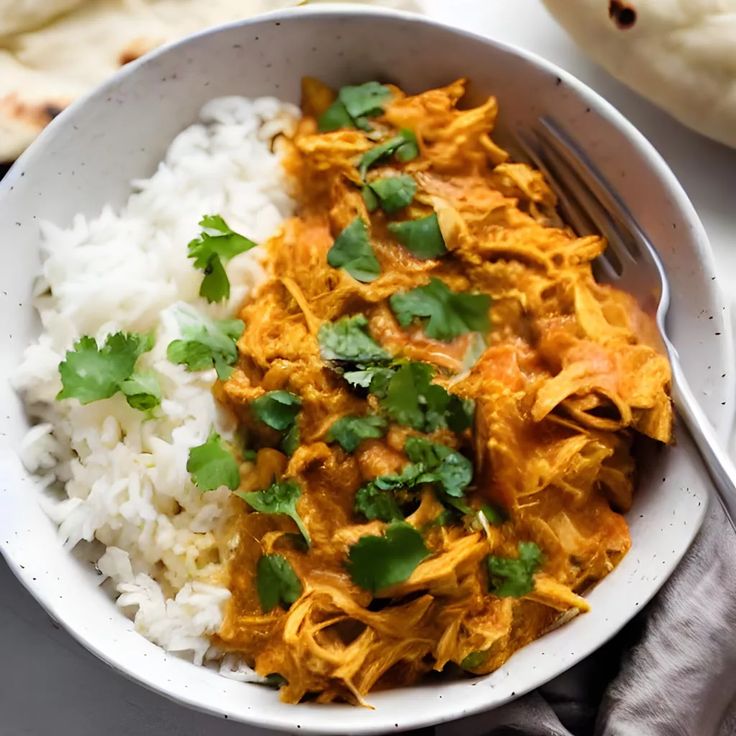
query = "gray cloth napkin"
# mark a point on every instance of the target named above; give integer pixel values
(671, 671)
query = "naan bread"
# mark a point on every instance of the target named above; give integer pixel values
(681, 54)
(53, 51)
(17, 16)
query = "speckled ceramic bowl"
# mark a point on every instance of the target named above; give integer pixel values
(86, 159)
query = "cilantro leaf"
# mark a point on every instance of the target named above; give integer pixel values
(405, 479)
(352, 251)
(215, 284)
(474, 660)
(275, 680)
(404, 393)
(443, 465)
(514, 577)
(375, 503)
(370, 199)
(432, 463)
(223, 242)
(450, 313)
(206, 343)
(409, 397)
(217, 243)
(277, 409)
(335, 117)
(391, 192)
(290, 441)
(494, 515)
(348, 340)
(142, 390)
(413, 400)
(403, 146)
(459, 413)
(279, 498)
(349, 432)
(422, 237)
(353, 105)
(90, 373)
(364, 99)
(276, 582)
(375, 562)
(373, 377)
(212, 466)
(409, 150)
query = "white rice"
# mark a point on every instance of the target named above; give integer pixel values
(124, 477)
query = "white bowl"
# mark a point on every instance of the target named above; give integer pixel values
(86, 158)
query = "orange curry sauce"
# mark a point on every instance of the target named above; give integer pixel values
(568, 378)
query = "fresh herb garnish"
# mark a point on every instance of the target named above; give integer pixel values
(422, 236)
(404, 146)
(334, 118)
(431, 462)
(347, 340)
(275, 680)
(276, 582)
(377, 499)
(353, 105)
(364, 100)
(277, 409)
(352, 250)
(493, 515)
(212, 466)
(290, 441)
(374, 377)
(376, 503)
(206, 343)
(407, 478)
(410, 398)
(215, 246)
(349, 432)
(370, 199)
(279, 498)
(442, 465)
(391, 192)
(474, 660)
(514, 577)
(405, 389)
(90, 373)
(449, 313)
(375, 562)
(142, 390)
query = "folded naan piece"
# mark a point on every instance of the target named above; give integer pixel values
(53, 51)
(677, 53)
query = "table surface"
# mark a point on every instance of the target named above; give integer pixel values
(50, 684)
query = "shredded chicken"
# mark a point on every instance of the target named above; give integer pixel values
(569, 375)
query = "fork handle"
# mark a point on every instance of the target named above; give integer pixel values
(717, 461)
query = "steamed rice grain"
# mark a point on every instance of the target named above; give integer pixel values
(124, 477)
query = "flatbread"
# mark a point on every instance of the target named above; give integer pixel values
(678, 53)
(53, 51)
(19, 16)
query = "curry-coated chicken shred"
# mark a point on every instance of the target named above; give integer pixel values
(439, 403)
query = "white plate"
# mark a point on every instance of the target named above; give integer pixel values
(86, 158)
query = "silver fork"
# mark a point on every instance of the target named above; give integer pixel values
(591, 205)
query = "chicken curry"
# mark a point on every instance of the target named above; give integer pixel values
(439, 400)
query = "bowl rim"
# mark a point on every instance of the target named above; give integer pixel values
(723, 422)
